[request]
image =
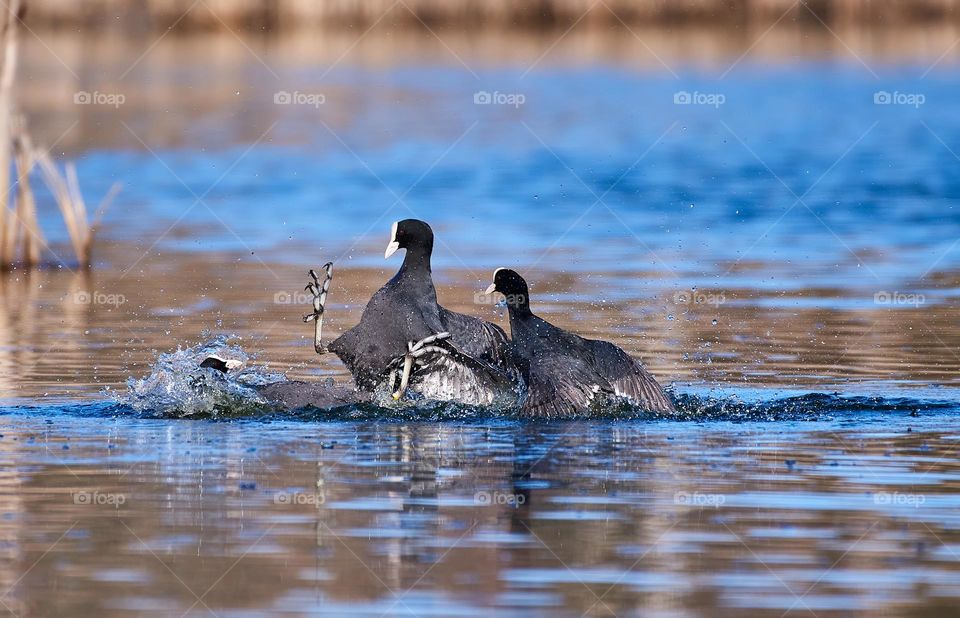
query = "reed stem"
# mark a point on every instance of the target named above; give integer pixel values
(8, 222)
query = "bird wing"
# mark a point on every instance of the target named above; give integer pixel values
(628, 377)
(560, 385)
(478, 339)
(461, 378)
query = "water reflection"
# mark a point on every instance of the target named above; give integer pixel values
(445, 519)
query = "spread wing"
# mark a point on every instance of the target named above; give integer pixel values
(457, 377)
(560, 385)
(564, 384)
(628, 378)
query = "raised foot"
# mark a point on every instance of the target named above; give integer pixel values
(319, 291)
(416, 350)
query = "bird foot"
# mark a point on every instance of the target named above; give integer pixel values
(319, 291)
(416, 351)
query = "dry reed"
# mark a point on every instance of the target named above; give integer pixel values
(29, 237)
(66, 191)
(9, 225)
(21, 239)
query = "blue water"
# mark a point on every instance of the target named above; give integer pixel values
(505, 185)
(755, 407)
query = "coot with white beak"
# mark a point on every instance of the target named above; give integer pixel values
(406, 339)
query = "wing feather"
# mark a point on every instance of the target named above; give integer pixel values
(460, 378)
(479, 339)
(560, 385)
(629, 378)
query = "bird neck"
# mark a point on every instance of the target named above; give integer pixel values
(519, 308)
(416, 260)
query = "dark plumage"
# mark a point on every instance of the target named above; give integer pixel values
(565, 373)
(293, 394)
(406, 310)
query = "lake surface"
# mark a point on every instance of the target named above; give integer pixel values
(782, 251)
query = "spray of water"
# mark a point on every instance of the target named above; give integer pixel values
(177, 386)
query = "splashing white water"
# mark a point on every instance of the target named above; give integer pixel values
(178, 386)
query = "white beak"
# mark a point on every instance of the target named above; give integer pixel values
(491, 289)
(394, 245)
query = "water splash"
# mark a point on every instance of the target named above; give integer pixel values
(178, 387)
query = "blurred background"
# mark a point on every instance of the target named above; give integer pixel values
(742, 193)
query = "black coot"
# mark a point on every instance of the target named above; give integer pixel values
(294, 394)
(565, 373)
(472, 365)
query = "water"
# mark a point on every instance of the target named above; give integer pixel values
(785, 261)
(844, 515)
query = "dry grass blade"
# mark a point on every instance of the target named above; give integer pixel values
(66, 192)
(58, 186)
(29, 236)
(20, 235)
(8, 222)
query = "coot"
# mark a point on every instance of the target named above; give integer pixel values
(565, 373)
(404, 334)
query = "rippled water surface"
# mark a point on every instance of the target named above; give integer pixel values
(854, 514)
(787, 261)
